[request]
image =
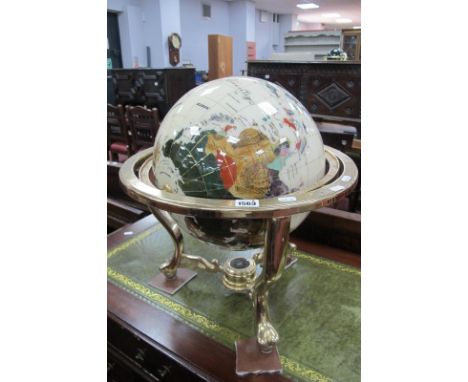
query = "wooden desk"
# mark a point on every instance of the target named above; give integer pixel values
(147, 344)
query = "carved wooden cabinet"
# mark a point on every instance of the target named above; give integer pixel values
(160, 88)
(329, 90)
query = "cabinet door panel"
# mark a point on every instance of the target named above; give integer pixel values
(152, 86)
(291, 82)
(333, 93)
(124, 87)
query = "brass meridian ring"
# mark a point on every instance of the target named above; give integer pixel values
(339, 181)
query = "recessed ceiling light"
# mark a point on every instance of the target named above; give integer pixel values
(307, 6)
(331, 15)
(359, 27)
(343, 21)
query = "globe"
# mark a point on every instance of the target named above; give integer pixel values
(237, 138)
(337, 54)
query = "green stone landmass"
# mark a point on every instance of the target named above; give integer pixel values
(200, 176)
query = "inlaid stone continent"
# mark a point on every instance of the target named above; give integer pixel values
(236, 138)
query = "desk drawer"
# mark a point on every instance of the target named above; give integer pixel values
(132, 359)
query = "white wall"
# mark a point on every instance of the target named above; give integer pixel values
(130, 29)
(169, 22)
(286, 24)
(151, 33)
(195, 29)
(119, 5)
(145, 23)
(250, 21)
(264, 36)
(242, 29)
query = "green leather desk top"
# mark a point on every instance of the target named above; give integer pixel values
(315, 306)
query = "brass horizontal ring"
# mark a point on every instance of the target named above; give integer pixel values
(339, 181)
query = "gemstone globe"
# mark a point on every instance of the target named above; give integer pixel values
(237, 138)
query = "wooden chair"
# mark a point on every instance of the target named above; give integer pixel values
(118, 140)
(144, 124)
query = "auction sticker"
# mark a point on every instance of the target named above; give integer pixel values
(253, 203)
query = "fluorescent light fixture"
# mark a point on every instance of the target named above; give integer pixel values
(343, 21)
(359, 27)
(331, 15)
(307, 6)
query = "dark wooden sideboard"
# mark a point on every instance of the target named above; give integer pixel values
(330, 90)
(160, 88)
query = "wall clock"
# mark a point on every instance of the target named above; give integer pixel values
(175, 42)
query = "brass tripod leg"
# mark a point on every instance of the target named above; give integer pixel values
(169, 268)
(273, 259)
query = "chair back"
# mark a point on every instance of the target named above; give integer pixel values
(144, 124)
(116, 126)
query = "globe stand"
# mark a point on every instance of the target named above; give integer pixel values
(290, 258)
(172, 277)
(240, 276)
(260, 355)
(254, 355)
(174, 284)
(251, 360)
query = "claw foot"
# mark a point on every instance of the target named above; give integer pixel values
(267, 336)
(167, 270)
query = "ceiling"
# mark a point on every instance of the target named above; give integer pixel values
(350, 9)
